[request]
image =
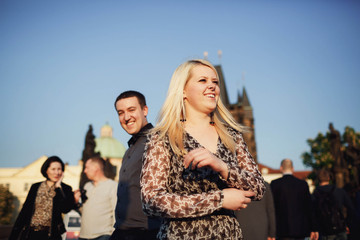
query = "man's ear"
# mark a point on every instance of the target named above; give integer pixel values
(145, 110)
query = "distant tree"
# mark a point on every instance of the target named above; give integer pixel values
(339, 154)
(6, 205)
(89, 151)
(352, 153)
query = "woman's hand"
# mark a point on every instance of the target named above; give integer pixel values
(58, 183)
(201, 157)
(235, 199)
(314, 235)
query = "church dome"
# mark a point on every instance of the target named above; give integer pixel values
(108, 146)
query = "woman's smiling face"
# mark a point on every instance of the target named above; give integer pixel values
(202, 90)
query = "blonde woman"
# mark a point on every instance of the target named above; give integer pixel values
(197, 168)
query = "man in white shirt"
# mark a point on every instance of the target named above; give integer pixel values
(97, 211)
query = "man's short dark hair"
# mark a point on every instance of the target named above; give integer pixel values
(127, 94)
(324, 175)
(99, 160)
(47, 163)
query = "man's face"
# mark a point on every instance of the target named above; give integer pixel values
(131, 116)
(91, 169)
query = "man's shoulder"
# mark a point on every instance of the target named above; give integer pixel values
(111, 182)
(288, 179)
(88, 185)
(278, 180)
(145, 130)
(140, 140)
(109, 186)
(275, 181)
(276, 184)
(295, 180)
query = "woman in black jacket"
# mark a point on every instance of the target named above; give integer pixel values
(40, 217)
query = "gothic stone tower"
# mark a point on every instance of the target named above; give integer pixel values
(241, 111)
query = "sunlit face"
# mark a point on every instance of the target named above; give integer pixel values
(202, 90)
(54, 172)
(91, 169)
(132, 116)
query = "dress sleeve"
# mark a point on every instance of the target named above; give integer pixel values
(244, 173)
(157, 200)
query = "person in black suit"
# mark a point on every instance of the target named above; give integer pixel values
(293, 206)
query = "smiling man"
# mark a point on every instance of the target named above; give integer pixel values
(131, 222)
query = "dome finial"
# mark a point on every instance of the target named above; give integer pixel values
(206, 54)
(106, 130)
(219, 55)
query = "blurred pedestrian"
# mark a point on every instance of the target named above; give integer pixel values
(40, 217)
(98, 210)
(293, 206)
(257, 221)
(330, 203)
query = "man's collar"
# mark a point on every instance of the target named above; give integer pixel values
(135, 137)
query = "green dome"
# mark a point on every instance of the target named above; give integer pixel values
(109, 147)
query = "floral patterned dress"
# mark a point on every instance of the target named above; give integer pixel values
(190, 201)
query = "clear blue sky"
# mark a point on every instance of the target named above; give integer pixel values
(62, 64)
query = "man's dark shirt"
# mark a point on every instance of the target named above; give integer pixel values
(128, 210)
(342, 199)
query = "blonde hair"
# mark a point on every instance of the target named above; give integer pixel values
(169, 120)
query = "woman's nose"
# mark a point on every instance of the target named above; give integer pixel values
(212, 86)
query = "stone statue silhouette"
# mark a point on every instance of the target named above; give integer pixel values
(109, 170)
(340, 167)
(352, 153)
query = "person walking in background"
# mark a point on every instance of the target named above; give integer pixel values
(329, 205)
(197, 168)
(98, 207)
(40, 217)
(257, 221)
(293, 206)
(131, 222)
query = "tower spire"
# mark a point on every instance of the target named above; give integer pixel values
(245, 98)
